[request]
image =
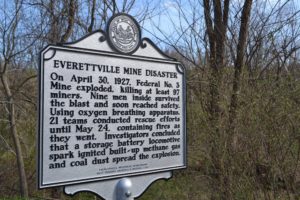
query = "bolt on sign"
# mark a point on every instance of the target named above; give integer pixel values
(112, 106)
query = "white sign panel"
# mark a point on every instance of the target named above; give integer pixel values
(104, 116)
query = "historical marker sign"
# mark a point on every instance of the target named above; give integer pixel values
(105, 115)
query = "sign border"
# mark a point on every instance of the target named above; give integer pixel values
(179, 67)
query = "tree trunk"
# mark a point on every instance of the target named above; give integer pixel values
(53, 35)
(216, 31)
(71, 20)
(239, 62)
(14, 132)
(90, 29)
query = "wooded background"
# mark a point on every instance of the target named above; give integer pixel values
(243, 87)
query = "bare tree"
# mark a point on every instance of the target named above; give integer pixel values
(18, 44)
(10, 50)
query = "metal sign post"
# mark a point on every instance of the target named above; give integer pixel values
(112, 115)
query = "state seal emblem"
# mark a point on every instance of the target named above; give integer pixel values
(124, 34)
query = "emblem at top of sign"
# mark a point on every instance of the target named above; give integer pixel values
(124, 33)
